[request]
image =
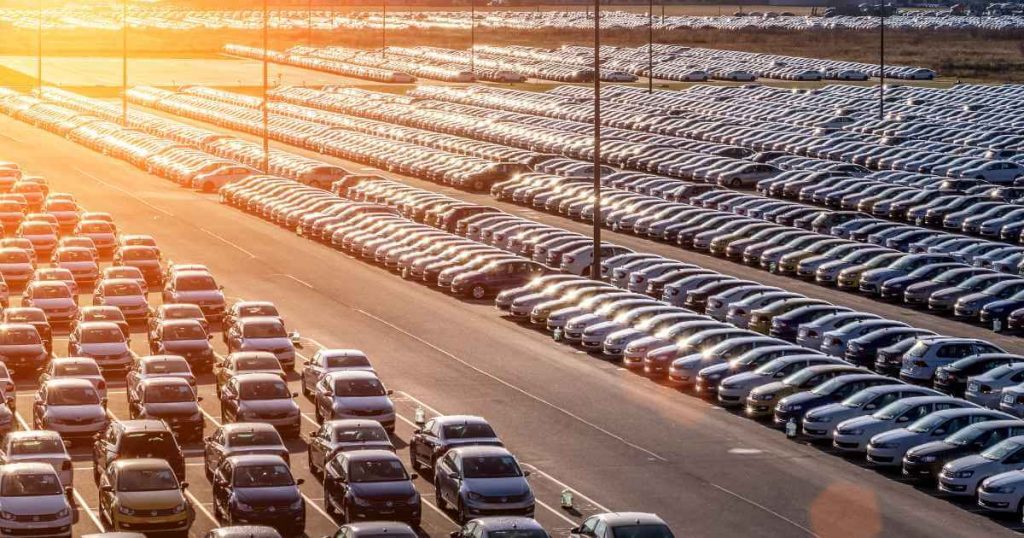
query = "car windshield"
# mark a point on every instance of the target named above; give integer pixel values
(51, 292)
(102, 336)
(264, 390)
(30, 485)
(167, 367)
(139, 254)
(349, 434)
(44, 445)
(1001, 450)
(72, 396)
(146, 480)
(376, 471)
(263, 476)
(254, 438)
(355, 361)
(19, 337)
(358, 387)
(191, 331)
(14, 256)
(927, 423)
(183, 312)
(467, 431)
(75, 256)
(642, 531)
(859, 399)
(169, 394)
(264, 330)
(25, 316)
(257, 363)
(828, 387)
(148, 445)
(490, 467)
(965, 436)
(122, 289)
(196, 283)
(76, 369)
(517, 533)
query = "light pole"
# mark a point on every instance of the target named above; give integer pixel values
(472, 36)
(124, 63)
(39, 49)
(881, 60)
(384, 29)
(309, 23)
(650, 47)
(595, 270)
(266, 112)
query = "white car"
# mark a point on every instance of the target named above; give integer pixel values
(999, 172)
(33, 501)
(41, 446)
(76, 368)
(962, 476)
(80, 261)
(326, 361)
(53, 298)
(124, 293)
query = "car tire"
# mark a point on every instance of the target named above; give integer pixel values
(478, 291)
(438, 499)
(461, 517)
(736, 183)
(319, 415)
(208, 473)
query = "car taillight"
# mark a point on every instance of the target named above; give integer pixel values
(919, 363)
(569, 259)
(65, 466)
(101, 385)
(984, 389)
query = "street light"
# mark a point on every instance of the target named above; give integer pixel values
(124, 63)
(595, 269)
(384, 29)
(39, 48)
(472, 36)
(650, 47)
(881, 60)
(266, 120)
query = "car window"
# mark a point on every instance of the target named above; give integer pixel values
(641, 531)
(263, 476)
(30, 484)
(146, 480)
(376, 471)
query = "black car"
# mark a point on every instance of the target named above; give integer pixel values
(923, 462)
(952, 378)
(370, 485)
(126, 439)
(442, 433)
(260, 490)
(837, 389)
(863, 351)
(786, 326)
(495, 277)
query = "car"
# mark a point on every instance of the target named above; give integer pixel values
(354, 394)
(171, 399)
(34, 502)
(177, 311)
(80, 261)
(125, 272)
(325, 361)
(761, 400)
(888, 449)
(370, 485)
(104, 342)
(241, 438)
(111, 314)
(819, 423)
(619, 524)
(71, 407)
(102, 233)
(499, 275)
(793, 408)
(31, 316)
(128, 439)
(40, 446)
(261, 397)
(53, 298)
(124, 293)
(246, 486)
(185, 338)
(953, 378)
(344, 435)
(21, 348)
(266, 334)
(76, 368)
(986, 389)
(497, 526)
(442, 433)
(924, 462)
(369, 529)
(250, 309)
(963, 476)
(157, 366)
(198, 288)
(246, 362)
(141, 259)
(923, 359)
(481, 480)
(145, 494)
(734, 389)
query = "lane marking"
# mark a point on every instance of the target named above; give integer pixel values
(763, 507)
(227, 242)
(558, 513)
(522, 391)
(563, 485)
(125, 192)
(299, 280)
(200, 506)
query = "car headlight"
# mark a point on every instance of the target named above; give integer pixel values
(125, 510)
(179, 509)
(962, 474)
(928, 459)
(64, 512)
(297, 505)
(1002, 489)
(820, 420)
(4, 514)
(764, 397)
(714, 376)
(474, 496)
(883, 444)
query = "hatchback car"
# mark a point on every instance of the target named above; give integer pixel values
(144, 494)
(482, 480)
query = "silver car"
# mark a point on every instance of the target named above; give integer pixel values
(261, 397)
(263, 334)
(342, 435)
(71, 407)
(811, 334)
(986, 389)
(325, 361)
(39, 446)
(852, 435)
(733, 390)
(238, 439)
(1003, 492)
(354, 394)
(887, 449)
(820, 423)
(33, 501)
(962, 476)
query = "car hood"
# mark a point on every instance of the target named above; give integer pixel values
(492, 487)
(105, 349)
(269, 406)
(605, 327)
(807, 399)
(900, 436)
(39, 504)
(747, 379)
(63, 302)
(263, 496)
(186, 345)
(878, 275)
(214, 296)
(397, 490)
(151, 500)
(369, 403)
(91, 411)
(267, 343)
(125, 300)
(26, 349)
(172, 409)
(937, 448)
(775, 387)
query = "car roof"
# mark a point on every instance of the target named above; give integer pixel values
(141, 463)
(257, 459)
(242, 531)
(508, 522)
(31, 434)
(631, 518)
(68, 382)
(179, 321)
(382, 527)
(473, 451)
(374, 454)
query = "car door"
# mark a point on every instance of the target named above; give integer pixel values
(318, 443)
(426, 440)
(447, 479)
(335, 481)
(312, 370)
(229, 401)
(324, 397)
(222, 486)
(213, 450)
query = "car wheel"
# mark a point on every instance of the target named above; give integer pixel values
(736, 182)
(479, 291)
(460, 514)
(438, 498)
(319, 415)
(208, 473)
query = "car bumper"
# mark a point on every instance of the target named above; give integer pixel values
(172, 523)
(36, 529)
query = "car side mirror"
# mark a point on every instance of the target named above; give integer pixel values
(526, 473)
(940, 431)
(390, 392)
(106, 488)
(295, 395)
(300, 481)
(184, 485)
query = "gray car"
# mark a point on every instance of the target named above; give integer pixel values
(482, 480)
(261, 397)
(887, 449)
(263, 334)
(820, 423)
(733, 390)
(39, 446)
(343, 435)
(852, 435)
(621, 524)
(811, 334)
(986, 389)
(33, 501)
(325, 361)
(501, 527)
(238, 439)
(363, 529)
(171, 399)
(71, 407)
(354, 394)
(962, 476)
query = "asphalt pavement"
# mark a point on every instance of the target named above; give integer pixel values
(619, 441)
